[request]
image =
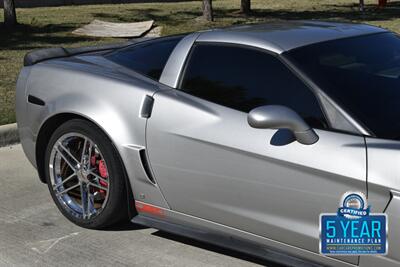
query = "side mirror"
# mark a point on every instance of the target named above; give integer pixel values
(281, 117)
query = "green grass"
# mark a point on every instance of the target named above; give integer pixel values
(49, 27)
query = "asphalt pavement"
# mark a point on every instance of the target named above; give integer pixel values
(34, 233)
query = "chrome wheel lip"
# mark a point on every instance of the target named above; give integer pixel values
(80, 168)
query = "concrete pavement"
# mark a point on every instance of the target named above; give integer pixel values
(34, 233)
(8, 134)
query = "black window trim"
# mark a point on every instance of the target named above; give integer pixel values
(132, 46)
(283, 60)
(150, 40)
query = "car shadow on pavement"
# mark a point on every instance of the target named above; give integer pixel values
(128, 226)
(125, 226)
(215, 248)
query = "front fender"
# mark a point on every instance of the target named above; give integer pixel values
(110, 103)
(392, 259)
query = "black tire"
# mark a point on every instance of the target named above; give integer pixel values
(116, 207)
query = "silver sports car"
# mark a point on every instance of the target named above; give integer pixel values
(239, 136)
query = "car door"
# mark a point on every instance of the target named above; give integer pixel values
(211, 164)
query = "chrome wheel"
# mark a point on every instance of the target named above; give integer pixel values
(79, 176)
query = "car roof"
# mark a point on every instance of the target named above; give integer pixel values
(281, 36)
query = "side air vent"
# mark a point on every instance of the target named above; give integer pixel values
(35, 100)
(146, 166)
(147, 107)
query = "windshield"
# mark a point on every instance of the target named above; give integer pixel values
(360, 73)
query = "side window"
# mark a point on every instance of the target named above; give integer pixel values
(147, 58)
(245, 78)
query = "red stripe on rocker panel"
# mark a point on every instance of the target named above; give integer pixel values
(142, 207)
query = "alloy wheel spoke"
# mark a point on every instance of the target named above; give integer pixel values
(90, 202)
(89, 153)
(85, 200)
(98, 186)
(72, 166)
(77, 152)
(68, 152)
(64, 181)
(70, 160)
(98, 177)
(67, 190)
(90, 149)
(83, 150)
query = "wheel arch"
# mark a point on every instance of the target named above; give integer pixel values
(48, 128)
(44, 134)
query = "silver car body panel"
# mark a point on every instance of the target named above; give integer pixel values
(383, 179)
(21, 108)
(112, 101)
(172, 70)
(209, 169)
(279, 37)
(208, 228)
(393, 257)
(234, 175)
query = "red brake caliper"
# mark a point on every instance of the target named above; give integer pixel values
(101, 167)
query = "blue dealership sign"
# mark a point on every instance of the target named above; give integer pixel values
(353, 230)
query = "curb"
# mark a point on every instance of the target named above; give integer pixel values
(8, 134)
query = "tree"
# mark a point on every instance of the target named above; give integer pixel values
(382, 3)
(245, 6)
(208, 10)
(10, 18)
(362, 7)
